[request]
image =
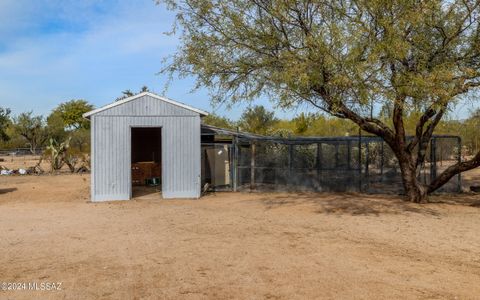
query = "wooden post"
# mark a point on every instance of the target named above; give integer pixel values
(319, 164)
(348, 154)
(360, 159)
(459, 160)
(367, 157)
(234, 164)
(381, 160)
(252, 166)
(433, 159)
(336, 155)
(290, 161)
(319, 159)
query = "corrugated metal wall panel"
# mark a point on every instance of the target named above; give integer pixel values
(111, 151)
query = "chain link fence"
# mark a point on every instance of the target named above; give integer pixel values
(342, 164)
(21, 152)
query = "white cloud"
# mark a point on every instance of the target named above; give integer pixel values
(93, 49)
(116, 50)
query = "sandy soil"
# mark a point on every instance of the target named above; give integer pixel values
(16, 162)
(26, 161)
(231, 245)
(470, 178)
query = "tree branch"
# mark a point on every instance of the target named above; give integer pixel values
(427, 135)
(371, 125)
(452, 171)
(398, 121)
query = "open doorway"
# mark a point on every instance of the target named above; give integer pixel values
(146, 162)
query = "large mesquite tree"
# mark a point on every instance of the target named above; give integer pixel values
(342, 57)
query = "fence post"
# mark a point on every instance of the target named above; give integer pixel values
(235, 163)
(336, 155)
(367, 157)
(290, 164)
(348, 154)
(360, 159)
(252, 166)
(367, 163)
(381, 159)
(319, 159)
(433, 159)
(459, 160)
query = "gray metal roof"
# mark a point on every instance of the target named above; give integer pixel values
(212, 130)
(140, 95)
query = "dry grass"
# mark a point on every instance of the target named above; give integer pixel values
(230, 245)
(26, 161)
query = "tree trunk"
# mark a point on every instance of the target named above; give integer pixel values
(33, 148)
(415, 191)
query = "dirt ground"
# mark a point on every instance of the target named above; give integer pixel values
(232, 245)
(26, 161)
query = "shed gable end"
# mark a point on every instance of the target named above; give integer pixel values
(147, 105)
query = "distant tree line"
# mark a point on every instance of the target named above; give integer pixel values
(64, 123)
(259, 120)
(64, 133)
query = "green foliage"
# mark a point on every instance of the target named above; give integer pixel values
(55, 154)
(128, 93)
(56, 126)
(470, 132)
(125, 94)
(63, 153)
(73, 156)
(4, 122)
(417, 59)
(14, 139)
(71, 112)
(257, 119)
(330, 54)
(302, 123)
(80, 140)
(218, 121)
(66, 123)
(316, 125)
(31, 128)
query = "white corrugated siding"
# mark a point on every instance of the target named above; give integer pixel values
(111, 149)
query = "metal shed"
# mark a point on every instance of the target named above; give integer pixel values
(145, 125)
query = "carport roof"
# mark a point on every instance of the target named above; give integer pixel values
(120, 102)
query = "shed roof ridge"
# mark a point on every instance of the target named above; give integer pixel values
(158, 97)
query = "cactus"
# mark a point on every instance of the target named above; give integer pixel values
(56, 154)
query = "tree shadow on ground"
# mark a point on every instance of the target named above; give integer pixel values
(465, 199)
(7, 190)
(346, 203)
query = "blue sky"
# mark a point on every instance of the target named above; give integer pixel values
(56, 50)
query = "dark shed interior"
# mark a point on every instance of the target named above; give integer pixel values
(147, 144)
(146, 160)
